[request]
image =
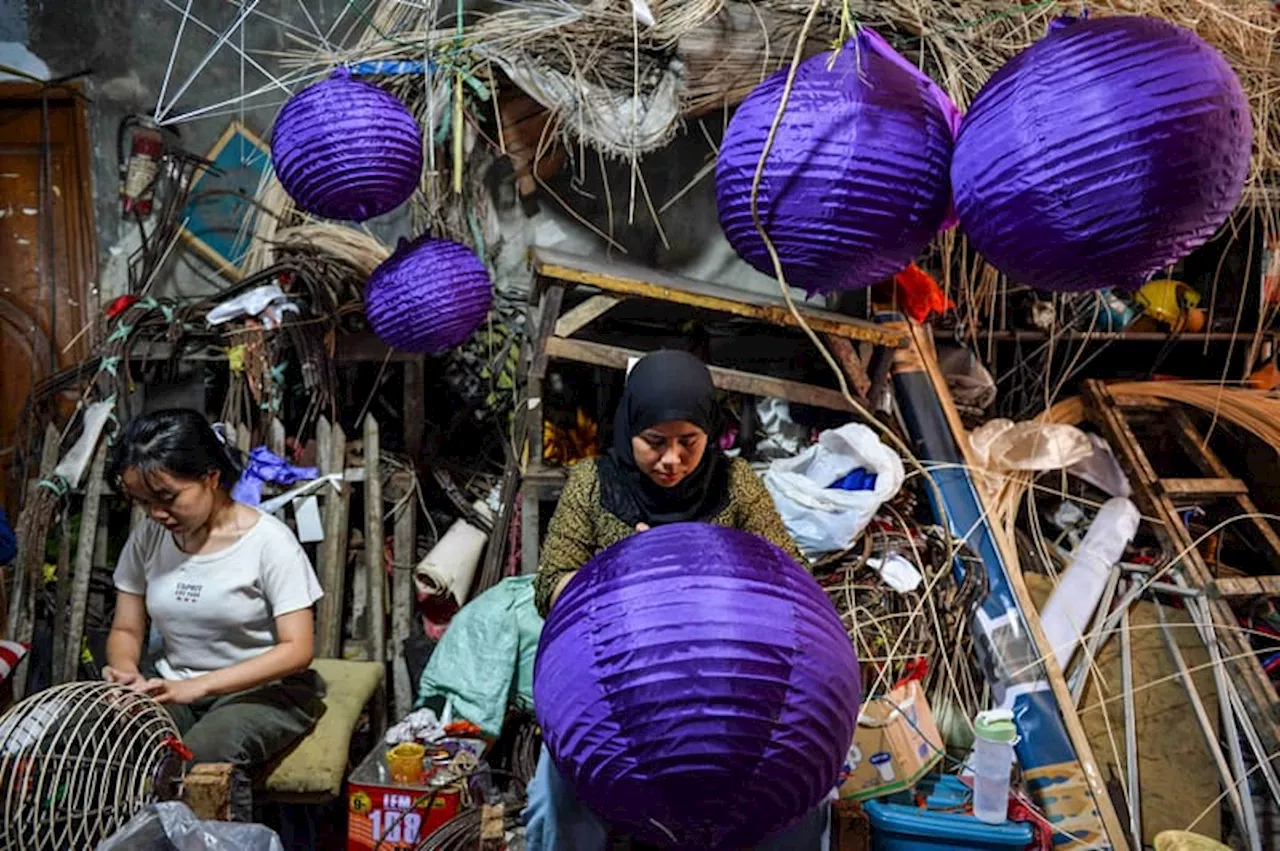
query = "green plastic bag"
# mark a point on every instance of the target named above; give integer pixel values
(484, 661)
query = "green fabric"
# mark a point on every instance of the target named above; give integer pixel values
(484, 661)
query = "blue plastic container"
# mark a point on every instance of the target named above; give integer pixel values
(898, 825)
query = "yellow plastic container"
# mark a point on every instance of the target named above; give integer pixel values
(404, 761)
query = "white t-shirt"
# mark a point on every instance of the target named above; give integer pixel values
(217, 609)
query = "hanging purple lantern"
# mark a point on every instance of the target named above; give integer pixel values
(429, 296)
(697, 678)
(856, 182)
(1101, 154)
(346, 149)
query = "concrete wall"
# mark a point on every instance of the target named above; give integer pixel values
(126, 45)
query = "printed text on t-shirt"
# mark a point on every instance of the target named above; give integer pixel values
(186, 592)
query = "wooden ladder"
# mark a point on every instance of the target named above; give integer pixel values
(1160, 498)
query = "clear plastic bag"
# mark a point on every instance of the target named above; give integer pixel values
(172, 826)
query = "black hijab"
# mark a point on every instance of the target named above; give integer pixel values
(664, 386)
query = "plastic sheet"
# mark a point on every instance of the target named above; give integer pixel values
(172, 826)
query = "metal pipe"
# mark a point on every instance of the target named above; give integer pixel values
(1130, 731)
(1097, 635)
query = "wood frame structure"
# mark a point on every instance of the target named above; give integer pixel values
(1159, 498)
(553, 330)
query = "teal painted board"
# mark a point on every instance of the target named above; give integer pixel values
(220, 214)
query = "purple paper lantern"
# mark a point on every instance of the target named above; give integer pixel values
(1101, 154)
(697, 678)
(346, 149)
(857, 179)
(429, 296)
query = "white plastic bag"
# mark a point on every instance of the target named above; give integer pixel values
(172, 825)
(823, 519)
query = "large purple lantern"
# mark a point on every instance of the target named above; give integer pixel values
(1104, 152)
(346, 149)
(694, 684)
(429, 296)
(857, 178)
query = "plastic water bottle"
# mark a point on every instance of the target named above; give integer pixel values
(992, 761)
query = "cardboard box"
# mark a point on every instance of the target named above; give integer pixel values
(391, 816)
(896, 743)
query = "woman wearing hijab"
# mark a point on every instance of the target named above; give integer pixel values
(665, 466)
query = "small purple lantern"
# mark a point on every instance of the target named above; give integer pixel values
(857, 179)
(429, 296)
(1101, 154)
(696, 687)
(346, 149)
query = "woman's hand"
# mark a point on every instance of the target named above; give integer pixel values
(175, 691)
(642, 527)
(132, 679)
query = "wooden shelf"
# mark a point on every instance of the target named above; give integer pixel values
(635, 281)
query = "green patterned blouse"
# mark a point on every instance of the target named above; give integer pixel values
(581, 527)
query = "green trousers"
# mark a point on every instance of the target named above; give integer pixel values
(250, 728)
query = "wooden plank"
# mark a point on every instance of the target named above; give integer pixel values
(577, 318)
(84, 563)
(1138, 402)
(415, 417)
(1169, 528)
(275, 436)
(629, 279)
(406, 557)
(548, 315)
(1181, 488)
(62, 598)
(855, 369)
(732, 380)
(332, 451)
(1244, 586)
(244, 439)
(374, 541)
(1211, 465)
(530, 533)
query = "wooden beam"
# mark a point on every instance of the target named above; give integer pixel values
(331, 444)
(1244, 586)
(736, 381)
(1184, 488)
(84, 564)
(548, 315)
(629, 279)
(374, 541)
(406, 557)
(62, 598)
(855, 369)
(577, 318)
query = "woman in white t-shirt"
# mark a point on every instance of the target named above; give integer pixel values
(228, 588)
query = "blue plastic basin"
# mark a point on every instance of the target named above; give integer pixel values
(905, 827)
